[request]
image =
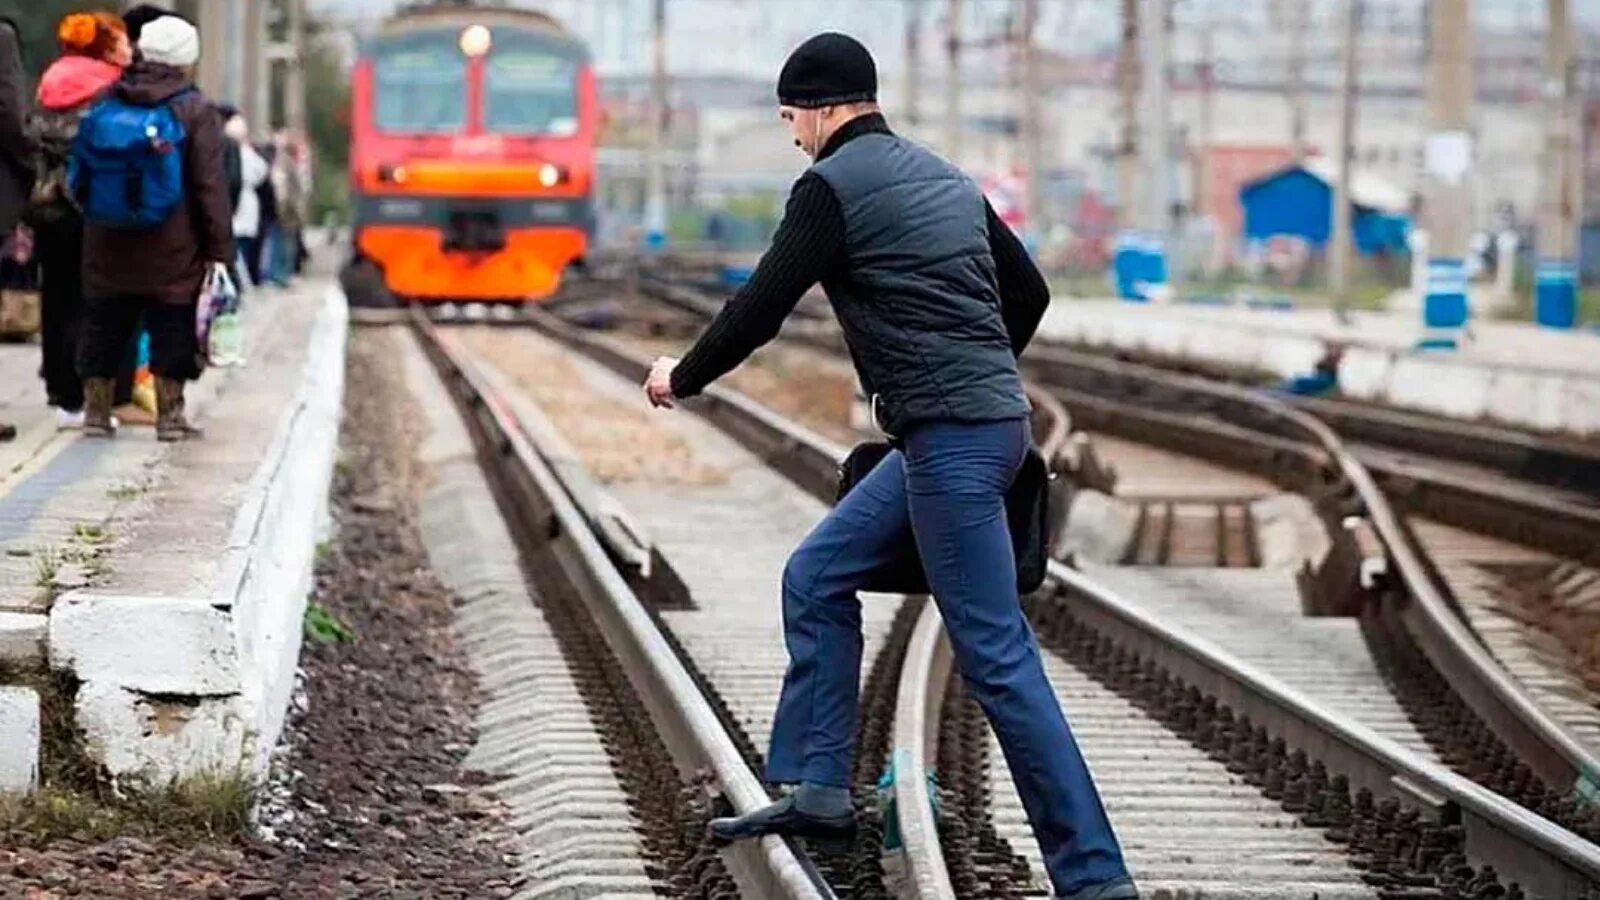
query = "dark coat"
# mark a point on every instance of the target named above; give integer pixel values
(169, 262)
(16, 153)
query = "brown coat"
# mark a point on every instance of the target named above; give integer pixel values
(168, 263)
(16, 153)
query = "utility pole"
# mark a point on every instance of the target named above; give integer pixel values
(1032, 118)
(913, 61)
(285, 61)
(1339, 248)
(952, 93)
(1207, 117)
(1127, 152)
(1560, 186)
(1298, 13)
(655, 203)
(1447, 167)
(1156, 156)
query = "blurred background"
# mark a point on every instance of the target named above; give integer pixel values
(1472, 128)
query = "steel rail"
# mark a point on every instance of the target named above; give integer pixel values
(547, 515)
(812, 461)
(1544, 857)
(1543, 743)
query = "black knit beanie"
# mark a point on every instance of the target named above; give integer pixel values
(828, 70)
(136, 18)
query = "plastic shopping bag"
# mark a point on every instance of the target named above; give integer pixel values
(218, 299)
(144, 382)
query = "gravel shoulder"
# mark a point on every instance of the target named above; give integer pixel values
(369, 795)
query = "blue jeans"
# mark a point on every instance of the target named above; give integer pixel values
(947, 486)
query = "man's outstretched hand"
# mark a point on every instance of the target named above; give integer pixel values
(658, 384)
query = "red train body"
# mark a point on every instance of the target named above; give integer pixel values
(472, 153)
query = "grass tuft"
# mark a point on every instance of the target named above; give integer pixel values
(206, 807)
(78, 801)
(324, 627)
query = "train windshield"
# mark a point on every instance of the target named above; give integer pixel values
(420, 88)
(530, 90)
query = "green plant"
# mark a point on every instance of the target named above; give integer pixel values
(210, 806)
(324, 627)
(90, 533)
(45, 564)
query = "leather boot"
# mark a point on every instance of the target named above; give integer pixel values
(171, 425)
(97, 421)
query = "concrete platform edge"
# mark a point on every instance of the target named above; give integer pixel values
(174, 686)
(1530, 395)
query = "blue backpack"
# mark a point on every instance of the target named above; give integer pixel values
(126, 169)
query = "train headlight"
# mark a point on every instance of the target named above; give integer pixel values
(549, 175)
(476, 40)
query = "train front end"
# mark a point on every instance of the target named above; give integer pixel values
(472, 162)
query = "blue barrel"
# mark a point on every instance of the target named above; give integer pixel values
(1445, 303)
(1555, 293)
(1126, 262)
(1138, 263)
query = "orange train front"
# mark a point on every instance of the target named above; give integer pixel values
(472, 153)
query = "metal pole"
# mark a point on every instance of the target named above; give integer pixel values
(913, 92)
(1156, 211)
(1207, 116)
(255, 80)
(1560, 189)
(1447, 166)
(655, 173)
(1295, 83)
(952, 93)
(215, 45)
(1032, 119)
(1127, 152)
(1339, 248)
(295, 84)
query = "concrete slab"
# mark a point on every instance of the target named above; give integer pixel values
(22, 638)
(171, 578)
(1512, 372)
(19, 738)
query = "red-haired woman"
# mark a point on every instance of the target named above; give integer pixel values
(94, 51)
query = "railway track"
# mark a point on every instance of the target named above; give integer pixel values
(1308, 467)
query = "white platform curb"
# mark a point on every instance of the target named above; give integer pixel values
(172, 686)
(1531, 393)
(19, 738)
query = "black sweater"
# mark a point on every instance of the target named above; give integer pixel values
(809, 247)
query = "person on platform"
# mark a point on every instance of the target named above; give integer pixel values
(158, 273)
(936, 297)
(94, 51)
(288, 184)
(138, 16)
(16, 153)
(253, 172)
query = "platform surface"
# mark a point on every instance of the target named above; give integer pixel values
(141, 516)
(1513, 372)
(176, 575)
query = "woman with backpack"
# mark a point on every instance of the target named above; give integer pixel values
(149, 252)
(94, 51)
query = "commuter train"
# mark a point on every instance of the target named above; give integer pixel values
(472, 153)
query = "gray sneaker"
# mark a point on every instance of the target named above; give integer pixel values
(1115, 889)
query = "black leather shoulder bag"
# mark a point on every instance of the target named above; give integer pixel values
(1027, 512)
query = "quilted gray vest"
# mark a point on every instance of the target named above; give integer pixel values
(920, 309)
